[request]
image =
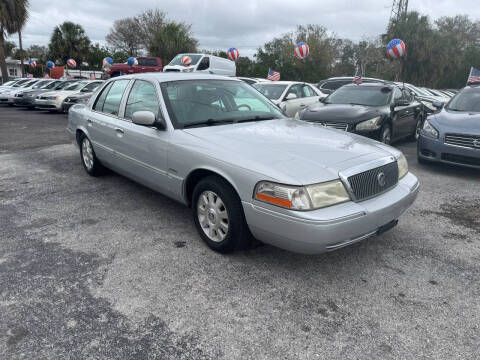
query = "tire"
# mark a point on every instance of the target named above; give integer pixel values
(386, 134)
(219, 217)
(416, 131)
(90, 163)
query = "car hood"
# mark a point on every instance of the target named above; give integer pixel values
(60, 93)
(288, 150)
(344, 113)
(448, 121)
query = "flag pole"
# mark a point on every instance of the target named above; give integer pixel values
(470, 74)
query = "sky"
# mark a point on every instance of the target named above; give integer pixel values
(245, 24)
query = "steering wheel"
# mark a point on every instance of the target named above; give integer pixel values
(244, 105)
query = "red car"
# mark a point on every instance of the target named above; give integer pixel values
(145, 64)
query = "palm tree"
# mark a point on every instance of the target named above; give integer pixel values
(13, 15)
(69, 40)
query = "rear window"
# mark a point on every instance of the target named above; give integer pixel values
(147, 62)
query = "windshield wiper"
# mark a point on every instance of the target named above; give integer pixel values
(208, 122)
(257, 118)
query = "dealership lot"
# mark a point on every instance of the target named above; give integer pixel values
(106, 268)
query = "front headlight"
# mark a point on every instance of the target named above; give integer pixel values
(402, 166)
(428, 130)
(32, 95)
(51, 98)
(372, 124)
(301, 197)
(429, 105)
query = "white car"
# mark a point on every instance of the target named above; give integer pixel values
(290, 96)
(7, 95)
(204, 63)
(53, 100)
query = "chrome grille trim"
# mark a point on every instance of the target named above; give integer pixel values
(463, 140)
(361, 181)
(335, 125)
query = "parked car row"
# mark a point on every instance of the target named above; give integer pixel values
(47, 94)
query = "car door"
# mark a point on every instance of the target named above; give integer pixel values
(401, 114)
(103, 119)
(142, 150)
(292, 106)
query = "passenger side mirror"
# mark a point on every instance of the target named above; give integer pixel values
(290, 96)
(438, 104)
(145, 118)
(400, 103)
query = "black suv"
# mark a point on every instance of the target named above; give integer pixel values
(328, 86)
(382, 111)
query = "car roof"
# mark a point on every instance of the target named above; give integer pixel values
(351, 77)
(282, 82)
(175, 76)
(379, 84)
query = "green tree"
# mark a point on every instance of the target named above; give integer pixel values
(37, 52)
(95, 57)
(9, 48)
(126, 36)
(13, 15)
(171, 39)
(69, 40)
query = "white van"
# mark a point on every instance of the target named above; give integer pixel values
(203, 63)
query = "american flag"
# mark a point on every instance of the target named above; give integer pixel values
(474, 77)
(273, 75)
(358, 77)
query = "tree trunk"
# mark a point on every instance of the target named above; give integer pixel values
(21, 51)
(3, 63)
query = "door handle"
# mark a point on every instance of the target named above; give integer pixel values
(119, 131)
(302, 105)
(89, 122)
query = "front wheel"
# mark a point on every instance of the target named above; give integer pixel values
(386, 134)
(418, 128)
(218, 215)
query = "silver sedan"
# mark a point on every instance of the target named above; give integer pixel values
(222, 148)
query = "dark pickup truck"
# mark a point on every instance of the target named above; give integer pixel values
(145, 64)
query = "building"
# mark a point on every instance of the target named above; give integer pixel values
(14, 68)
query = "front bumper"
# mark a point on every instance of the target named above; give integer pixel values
(47, 104)
(24, 101)
(333, 227)
(66, 106)
(6, 99)
(435, 150)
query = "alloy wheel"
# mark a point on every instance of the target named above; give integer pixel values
(212, 216)
(87, 153)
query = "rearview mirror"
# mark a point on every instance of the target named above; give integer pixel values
(291, 96)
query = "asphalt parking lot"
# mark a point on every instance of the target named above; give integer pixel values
(104, 268)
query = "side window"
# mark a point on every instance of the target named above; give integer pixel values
(296, 89)
(98, 106)
(114, 97)
(308, 91)
(142, 97)
(407, 95)
(204, 64)
(90, 87)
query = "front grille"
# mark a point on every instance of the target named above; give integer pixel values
(172, 70)
(471, 141)
(367, 184)
(461, 159)
(335, 125)
(18, 95)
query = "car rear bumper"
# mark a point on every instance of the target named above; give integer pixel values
(437, 151)
(333, 227)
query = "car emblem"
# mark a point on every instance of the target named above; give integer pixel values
(381, 179)
(476, 143)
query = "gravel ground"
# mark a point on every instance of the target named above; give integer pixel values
(103, 268)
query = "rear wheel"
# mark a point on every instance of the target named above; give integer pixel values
(89, 160)
(386, 134)
(418, 128)
(218, 215)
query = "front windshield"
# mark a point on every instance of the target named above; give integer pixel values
(76, 86)
(29, 83)
(360, 95)
(8, 83)
(177, 60)
(64, 84)
(271, 91)
(42, 84)
(52, 85)
(19, 83)
(191, 102)
(465, 100)
(418, 91)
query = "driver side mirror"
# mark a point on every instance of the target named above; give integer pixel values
(399, 103)
(290, 96)
(147, 118)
